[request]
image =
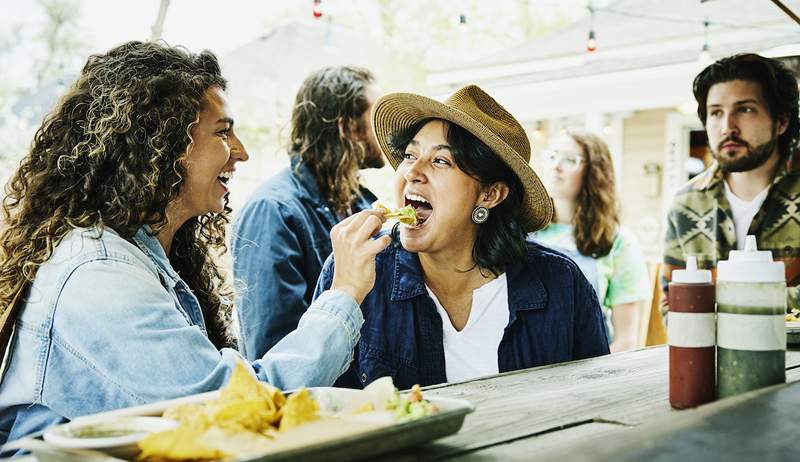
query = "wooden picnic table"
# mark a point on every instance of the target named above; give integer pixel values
(610, 408)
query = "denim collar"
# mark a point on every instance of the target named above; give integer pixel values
(146, 240)
(308, 184)
(525, 288)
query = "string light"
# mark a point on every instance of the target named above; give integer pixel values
(591, 43)
(316, 9)
(705, 56)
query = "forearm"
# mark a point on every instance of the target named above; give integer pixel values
(625, 319)
(320, 349)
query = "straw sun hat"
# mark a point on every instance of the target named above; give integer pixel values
(478, 113)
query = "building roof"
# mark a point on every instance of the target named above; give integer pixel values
(268, 71)
(648, 51)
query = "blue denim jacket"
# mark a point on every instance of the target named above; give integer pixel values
(553, 317)
(281, 238)
(107, 323)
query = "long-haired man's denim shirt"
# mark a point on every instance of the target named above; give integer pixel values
(553, 317)
(281, 239)
(108, 323)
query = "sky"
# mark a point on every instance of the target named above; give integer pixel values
(195, 24)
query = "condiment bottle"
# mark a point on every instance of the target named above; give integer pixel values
(751, 331)
(691, 335)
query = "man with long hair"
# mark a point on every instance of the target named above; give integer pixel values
(281, 238)
(109, 294)
(749, 107)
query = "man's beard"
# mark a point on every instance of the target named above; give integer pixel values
(372, 158)
(754, 157)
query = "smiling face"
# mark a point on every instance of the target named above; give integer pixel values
(741, 132)
(443, 195)
(211, 159)
(564, 166)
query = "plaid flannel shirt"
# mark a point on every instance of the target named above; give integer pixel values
(700, 223)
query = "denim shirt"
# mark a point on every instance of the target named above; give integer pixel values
(281, 238)
(553, 317)
(107, 323)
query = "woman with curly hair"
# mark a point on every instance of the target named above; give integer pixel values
(109, 293)
(580, 177)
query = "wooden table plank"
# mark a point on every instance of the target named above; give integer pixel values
(754, 426)
(517, 411)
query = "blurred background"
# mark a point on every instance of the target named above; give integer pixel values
(620, 68)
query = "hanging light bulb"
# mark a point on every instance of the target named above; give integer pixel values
(705, 55)
(316, 9)
(591, 44)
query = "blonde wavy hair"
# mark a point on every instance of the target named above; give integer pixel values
(596, 220)
(110, 155)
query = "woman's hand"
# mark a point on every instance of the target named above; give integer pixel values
(354, 251)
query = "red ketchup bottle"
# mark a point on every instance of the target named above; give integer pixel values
(692, 334)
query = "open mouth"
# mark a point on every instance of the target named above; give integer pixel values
(224, 178)
(421, 205)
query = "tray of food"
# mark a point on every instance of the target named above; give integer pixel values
(248, 420)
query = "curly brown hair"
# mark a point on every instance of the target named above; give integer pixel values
(110, 155)
(596, 219)
(328, 97)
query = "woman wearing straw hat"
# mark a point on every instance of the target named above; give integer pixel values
(462, 294)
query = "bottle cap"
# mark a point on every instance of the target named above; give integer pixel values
(750, 265)
(691, 275)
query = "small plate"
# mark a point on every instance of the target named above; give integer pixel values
(116, 435)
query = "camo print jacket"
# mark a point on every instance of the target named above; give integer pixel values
(700, 223)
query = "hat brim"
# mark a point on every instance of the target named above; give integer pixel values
(396, 113)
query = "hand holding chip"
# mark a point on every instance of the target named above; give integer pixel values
(355, 251)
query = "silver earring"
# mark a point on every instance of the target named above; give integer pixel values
(480, 214)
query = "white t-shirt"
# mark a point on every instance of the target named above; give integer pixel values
(743, 212)
(472, 352)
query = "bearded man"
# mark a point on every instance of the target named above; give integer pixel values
(749, 107)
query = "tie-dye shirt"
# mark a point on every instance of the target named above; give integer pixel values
(622, 274)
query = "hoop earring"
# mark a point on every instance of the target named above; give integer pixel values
(480, 214)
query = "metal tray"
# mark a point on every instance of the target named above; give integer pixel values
(360, 445)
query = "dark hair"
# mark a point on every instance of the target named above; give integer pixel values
(110, 155)
(778, 86)
(595, 222)
(501, 239)
(325, 97)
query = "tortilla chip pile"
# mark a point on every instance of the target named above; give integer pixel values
(243, 421)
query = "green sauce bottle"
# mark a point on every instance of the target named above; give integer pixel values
(751, 330)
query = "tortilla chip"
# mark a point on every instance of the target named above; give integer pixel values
(300, 408)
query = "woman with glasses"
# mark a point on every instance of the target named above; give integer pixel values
(580, 177)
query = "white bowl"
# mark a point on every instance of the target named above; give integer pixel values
(115, 435)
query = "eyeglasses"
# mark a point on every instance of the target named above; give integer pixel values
(569, 160)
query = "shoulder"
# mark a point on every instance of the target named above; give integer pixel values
(625, 238)
(698, 188)
(548, 260)
(89, 244)
(282, 188)
(86, 254)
